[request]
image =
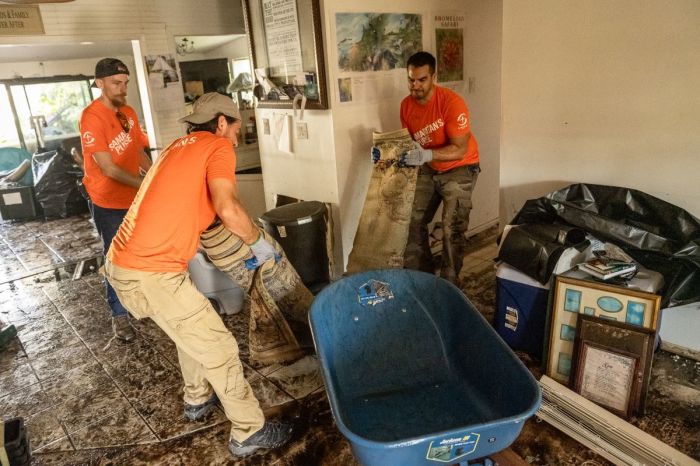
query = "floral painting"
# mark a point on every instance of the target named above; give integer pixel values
(450, 57)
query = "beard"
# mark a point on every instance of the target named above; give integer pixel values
(118, 100)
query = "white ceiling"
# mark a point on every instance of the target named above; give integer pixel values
(10, 53)
(15, 53)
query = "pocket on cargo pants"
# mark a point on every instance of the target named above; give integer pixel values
(129, 292)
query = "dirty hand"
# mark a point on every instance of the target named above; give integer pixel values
(416, 156)
(376, 154)
(262, 250)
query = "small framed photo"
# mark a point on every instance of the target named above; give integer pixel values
(572, 297)
(611, 364)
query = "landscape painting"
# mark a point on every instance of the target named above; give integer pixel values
(376, 41)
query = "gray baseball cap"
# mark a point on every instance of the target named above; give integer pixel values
(208, 106)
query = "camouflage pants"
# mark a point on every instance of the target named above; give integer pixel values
(454, 189)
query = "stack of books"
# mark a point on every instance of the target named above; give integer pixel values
(605, 268)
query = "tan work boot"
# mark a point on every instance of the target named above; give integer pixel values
(122, 328)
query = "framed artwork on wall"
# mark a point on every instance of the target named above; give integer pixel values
(612, 364)
(286, 46)
(573, 296)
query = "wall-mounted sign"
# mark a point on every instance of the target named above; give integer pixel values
(20, 20)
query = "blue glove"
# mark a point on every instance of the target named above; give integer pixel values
(416, 156)
(263, 252)
(376, 154)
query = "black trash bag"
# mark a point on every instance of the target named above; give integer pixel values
(658, 235)
(535, 248)
(55, 183)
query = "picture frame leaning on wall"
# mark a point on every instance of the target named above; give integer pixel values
(612, 364)
(573, 296)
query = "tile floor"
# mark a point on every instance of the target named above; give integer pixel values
(90, 400)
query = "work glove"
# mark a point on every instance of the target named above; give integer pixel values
(416, 156)
(376, 154)
(263, 251)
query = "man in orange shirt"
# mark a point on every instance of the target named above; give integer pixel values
(114, 159)
(448, 156)
(193, 182)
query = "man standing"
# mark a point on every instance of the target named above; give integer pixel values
(448, 156)
(191, 184)
(113, 151)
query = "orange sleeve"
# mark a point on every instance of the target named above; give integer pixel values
(92, 135)
(222, 162)
(456, 117)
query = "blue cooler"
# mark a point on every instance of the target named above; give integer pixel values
(521, 310)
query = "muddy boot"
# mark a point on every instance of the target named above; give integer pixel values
(199, 412)
(7, 333)
(271, 435)
(122, 328)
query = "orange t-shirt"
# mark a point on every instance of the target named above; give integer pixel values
(161, 230)
(433, 124)
(101, 131)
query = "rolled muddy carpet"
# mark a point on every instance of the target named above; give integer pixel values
(277, 295)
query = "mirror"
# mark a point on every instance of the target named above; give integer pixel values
(208, 63)
(287, 51)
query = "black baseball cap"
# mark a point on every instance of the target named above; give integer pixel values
(109, 67)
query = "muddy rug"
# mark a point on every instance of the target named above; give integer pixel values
(279, 300)
(382, 232)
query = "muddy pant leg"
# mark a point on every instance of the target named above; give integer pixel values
(426, 202)
(107, 222)
(204, 338)
(455, 187)
(197, 389)
(207, 349)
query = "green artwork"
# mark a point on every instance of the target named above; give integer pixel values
(376, 41)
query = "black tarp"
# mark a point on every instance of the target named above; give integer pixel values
(535, 248)
(55, 183)
(657, 234)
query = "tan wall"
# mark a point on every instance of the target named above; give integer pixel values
(601, 92)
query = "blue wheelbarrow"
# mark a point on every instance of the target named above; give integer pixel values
(414, 374)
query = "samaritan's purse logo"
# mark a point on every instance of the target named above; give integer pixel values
(462, 120)
(88, 138)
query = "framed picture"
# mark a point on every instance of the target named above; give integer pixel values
(286, 47)
(612, 364)
(573, 296)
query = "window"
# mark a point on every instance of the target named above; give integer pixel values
(52, 106)
(8, 130)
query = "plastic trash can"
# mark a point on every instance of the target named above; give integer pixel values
(415, 375)
(216, 285)
(300, 228)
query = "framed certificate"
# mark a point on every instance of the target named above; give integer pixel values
(611, 364)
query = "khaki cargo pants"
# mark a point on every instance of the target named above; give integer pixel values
(207, 351)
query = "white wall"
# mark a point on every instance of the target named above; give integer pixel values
(152, 22)
(336, 168)
(601, 92)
